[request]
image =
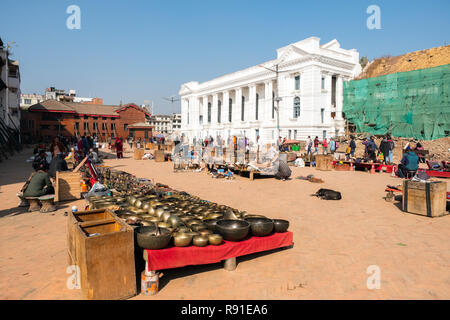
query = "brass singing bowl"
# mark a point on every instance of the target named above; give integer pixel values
(192, 222)
(215, 239)
(183, 229)
(166, 215)
(138, 204)
(205, 232)
(163, 225)
(198, 227)
(145, 206)
(182, 239)
(159, 212)
(131, 200)
(214, 216)
(175, 221)
(200, 241)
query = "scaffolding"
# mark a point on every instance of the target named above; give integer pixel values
(411, 104)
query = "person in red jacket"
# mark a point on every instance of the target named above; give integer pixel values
(325, 146)
(119, 148)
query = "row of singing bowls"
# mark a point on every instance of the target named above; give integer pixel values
(233, 230)
(260, 227)
(147, 239)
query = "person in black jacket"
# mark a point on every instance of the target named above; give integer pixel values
(384, 149)
(58, 164)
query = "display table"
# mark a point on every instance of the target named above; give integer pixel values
(365, 165)
(175, 257)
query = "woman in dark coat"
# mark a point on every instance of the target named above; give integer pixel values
(119, 148)
(384, 148)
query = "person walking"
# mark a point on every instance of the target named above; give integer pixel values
(391, 149)
(332, 145)
(384, 149)
(119, 148)
(316, 145)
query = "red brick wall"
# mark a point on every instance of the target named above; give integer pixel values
(129, 115)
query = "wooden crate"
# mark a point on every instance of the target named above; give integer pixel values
(138, 154)
(324, 162)
(68, 186)
(427, 199)
(73, 219)
(106, 261)
(159, 156)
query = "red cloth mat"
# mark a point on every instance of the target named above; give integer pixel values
(175, 257)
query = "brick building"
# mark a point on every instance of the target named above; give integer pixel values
(44, 120)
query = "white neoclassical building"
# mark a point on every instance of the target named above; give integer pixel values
(308, 84)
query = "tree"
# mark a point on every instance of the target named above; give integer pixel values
(363, 61)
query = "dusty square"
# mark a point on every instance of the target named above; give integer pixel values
(334, 241)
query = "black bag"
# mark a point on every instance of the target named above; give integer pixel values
(327, 194)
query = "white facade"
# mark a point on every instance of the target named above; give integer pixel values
(166, 123)
(9, 89)
(309, 83)
(28, 99)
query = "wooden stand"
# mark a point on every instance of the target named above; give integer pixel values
(324, 162)
(427, 199)
(159, 156)
(104, 252)
(138, 154)
(67, 186)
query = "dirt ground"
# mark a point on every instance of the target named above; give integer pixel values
(334, 241)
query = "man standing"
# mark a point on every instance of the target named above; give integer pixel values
(332, 145)
(316, 145)
(308, 146)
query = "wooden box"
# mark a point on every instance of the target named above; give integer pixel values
(324, 162)
(159, 156)
(74, 219)
(138, 154)
(68, 186)
(105, 253)
(427, 199)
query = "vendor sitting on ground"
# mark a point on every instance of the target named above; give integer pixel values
(409, 162)
(39, 183)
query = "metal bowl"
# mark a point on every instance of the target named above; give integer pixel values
(205, 232)
(147, 239)
(280, 225)
(138, 204)
(210, 224)
(233, 230)
(198, 227)
(182, 239)
(200, 241)
(175, 221)
(215, 239)
(260, 227)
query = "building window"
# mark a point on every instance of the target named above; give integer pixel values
(230, 109)
(27, 101)
(297, 82)
(125, 127)
(323, 82)
(295, 134)
(85, 117)
(219, 111)
(322, 111)
(103, 118)
(104, 127)
(289, 134)
(77, 126)
(273, 105)
(296, 107)
(113, 126)
(86, 126)
(95, 126)
(209, 112)
(243, 109)
(200, 119)
(256, 106)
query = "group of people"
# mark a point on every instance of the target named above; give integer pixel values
(312, 146)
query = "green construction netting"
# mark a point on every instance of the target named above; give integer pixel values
(406, 104)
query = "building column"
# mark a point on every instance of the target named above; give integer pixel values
(225, 105)
(250, 113)
(237, 110)
(339, 97)
(214, 108)
(268, 89)
(204, 111)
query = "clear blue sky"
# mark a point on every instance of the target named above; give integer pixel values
(137, 50)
